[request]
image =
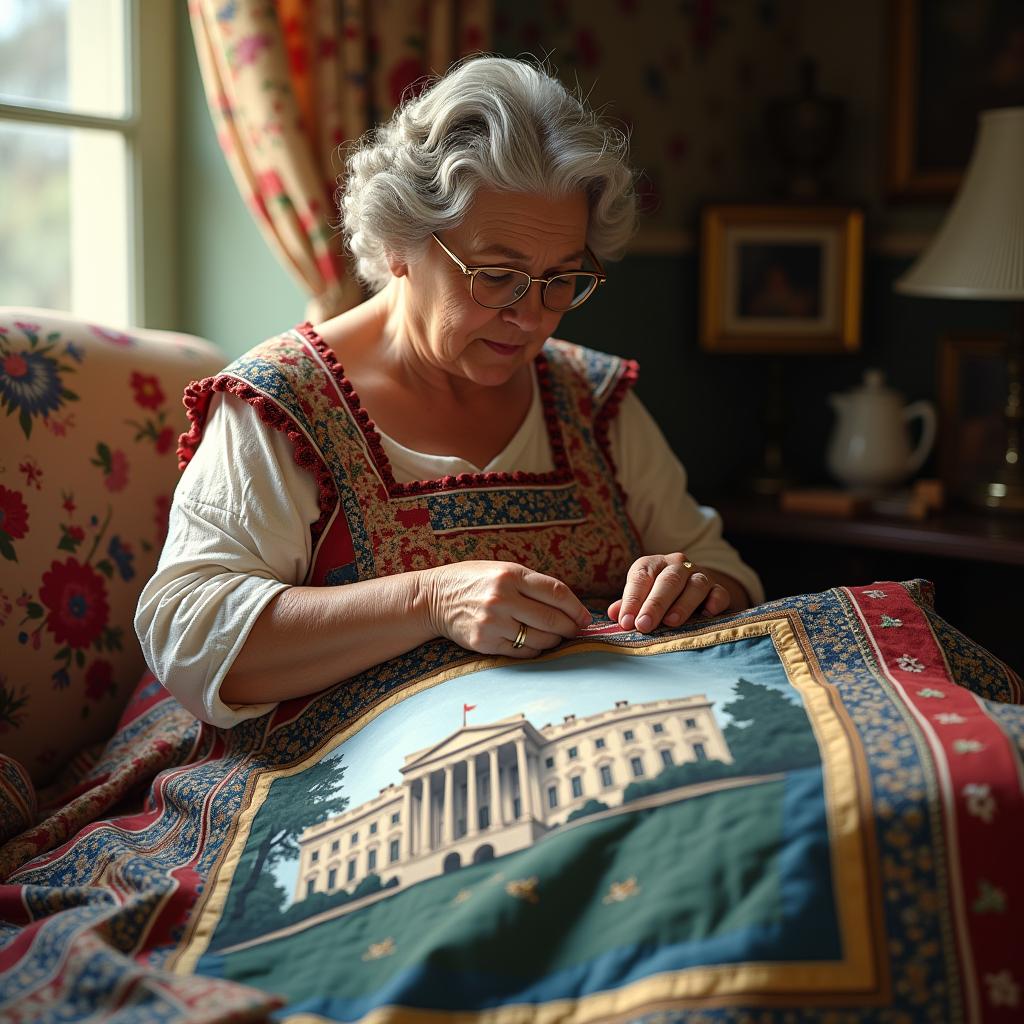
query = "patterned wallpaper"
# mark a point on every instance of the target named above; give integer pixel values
(690, 78)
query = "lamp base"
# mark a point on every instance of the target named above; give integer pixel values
(1000, 496)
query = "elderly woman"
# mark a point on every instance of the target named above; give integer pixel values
(432, 463)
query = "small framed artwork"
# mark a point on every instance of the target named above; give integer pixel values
(948, 61)
(778, 279)
(973, 383)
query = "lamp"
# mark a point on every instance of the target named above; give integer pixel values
(978, 253)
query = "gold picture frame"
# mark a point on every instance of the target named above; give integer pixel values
(947, 62)
(973, 379)
(779, 279)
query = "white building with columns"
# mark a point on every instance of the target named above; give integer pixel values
(487, 790)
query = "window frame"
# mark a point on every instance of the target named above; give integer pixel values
(148, 130)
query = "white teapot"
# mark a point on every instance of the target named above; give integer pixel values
(870, 446)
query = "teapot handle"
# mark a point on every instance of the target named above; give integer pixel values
(925, 411)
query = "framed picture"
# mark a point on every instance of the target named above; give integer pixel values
(973, 382)
(949, 60)
(777, 279)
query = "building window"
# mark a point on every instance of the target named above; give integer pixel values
(628, 735)
(332, 878)
(314, 856)
(698, 752)
(484, 816)
(335, 845)
(599, 744)
(371, 860)
(658, 727)
(691, 723)
(549, 762)
(577, 785)
(574, 753)
(666, 758)
(606, 775)
(355, 839)
(351, 873)
(373, 829)
(310, 886)
(516, 808)
(552, 796)
(393, 851)
(396, 818)
(638, 767)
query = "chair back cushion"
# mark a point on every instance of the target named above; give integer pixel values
(89, 425)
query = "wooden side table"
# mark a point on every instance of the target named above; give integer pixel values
(975, 561)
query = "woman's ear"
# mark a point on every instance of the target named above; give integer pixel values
(398, 266)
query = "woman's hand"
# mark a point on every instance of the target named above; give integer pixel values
(666, 589)
(481, 606)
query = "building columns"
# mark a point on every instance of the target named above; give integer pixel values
(496, 816)
(448, 807)
(472, 815)
(525, 788)
(425, 845)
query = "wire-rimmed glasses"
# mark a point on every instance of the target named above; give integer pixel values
(498, 287)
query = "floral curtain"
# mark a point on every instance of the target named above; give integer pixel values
(289, 81)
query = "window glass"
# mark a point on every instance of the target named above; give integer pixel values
(552, 796)
(393, 854)
(666, 758)
(637, 765)
(332, 878)
(577, 786)
(371, 860)
(64, 54)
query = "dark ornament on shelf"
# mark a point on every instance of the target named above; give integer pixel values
(806, 132)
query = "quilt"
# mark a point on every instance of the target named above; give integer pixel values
(812, 810)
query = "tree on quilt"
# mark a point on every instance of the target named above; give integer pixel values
(311, 796)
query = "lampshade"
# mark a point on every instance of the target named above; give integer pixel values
(978, 252)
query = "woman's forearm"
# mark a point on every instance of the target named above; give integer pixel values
(308, 638)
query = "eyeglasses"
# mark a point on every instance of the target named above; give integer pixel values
(498, 287)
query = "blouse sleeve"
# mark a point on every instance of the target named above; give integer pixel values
(238, 535)
(659, 504)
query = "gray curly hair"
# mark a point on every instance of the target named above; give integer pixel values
(489, 123)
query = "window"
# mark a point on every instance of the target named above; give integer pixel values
(373, 829)
(314, 856)
(574, 753)
(393, 851)
(658, 727)
(606, 775)
(577, 785)
(396, 818)
(310, 886)
(351, 873)
(691, 723)
(666, 758)
(88, 169)
(484, 815)
(549, 762)
(638, 767)
(628, 735)
(698, 752)
(599, 744)
(516, 808)
(335, 845)
(371, 860)
(355, 839)
(552, 796)
(332, 878)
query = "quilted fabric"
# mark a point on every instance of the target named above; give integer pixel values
(806, 811)
(87, 469)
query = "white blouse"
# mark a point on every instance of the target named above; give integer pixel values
(239, 533)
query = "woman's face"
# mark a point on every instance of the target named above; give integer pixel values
(448, 328)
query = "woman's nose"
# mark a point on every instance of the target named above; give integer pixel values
(528, 311)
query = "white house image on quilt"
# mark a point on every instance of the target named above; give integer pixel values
(462, 800)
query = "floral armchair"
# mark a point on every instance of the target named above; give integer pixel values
(87, 468)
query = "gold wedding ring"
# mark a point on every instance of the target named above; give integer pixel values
(687, 565)
(520, 639)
